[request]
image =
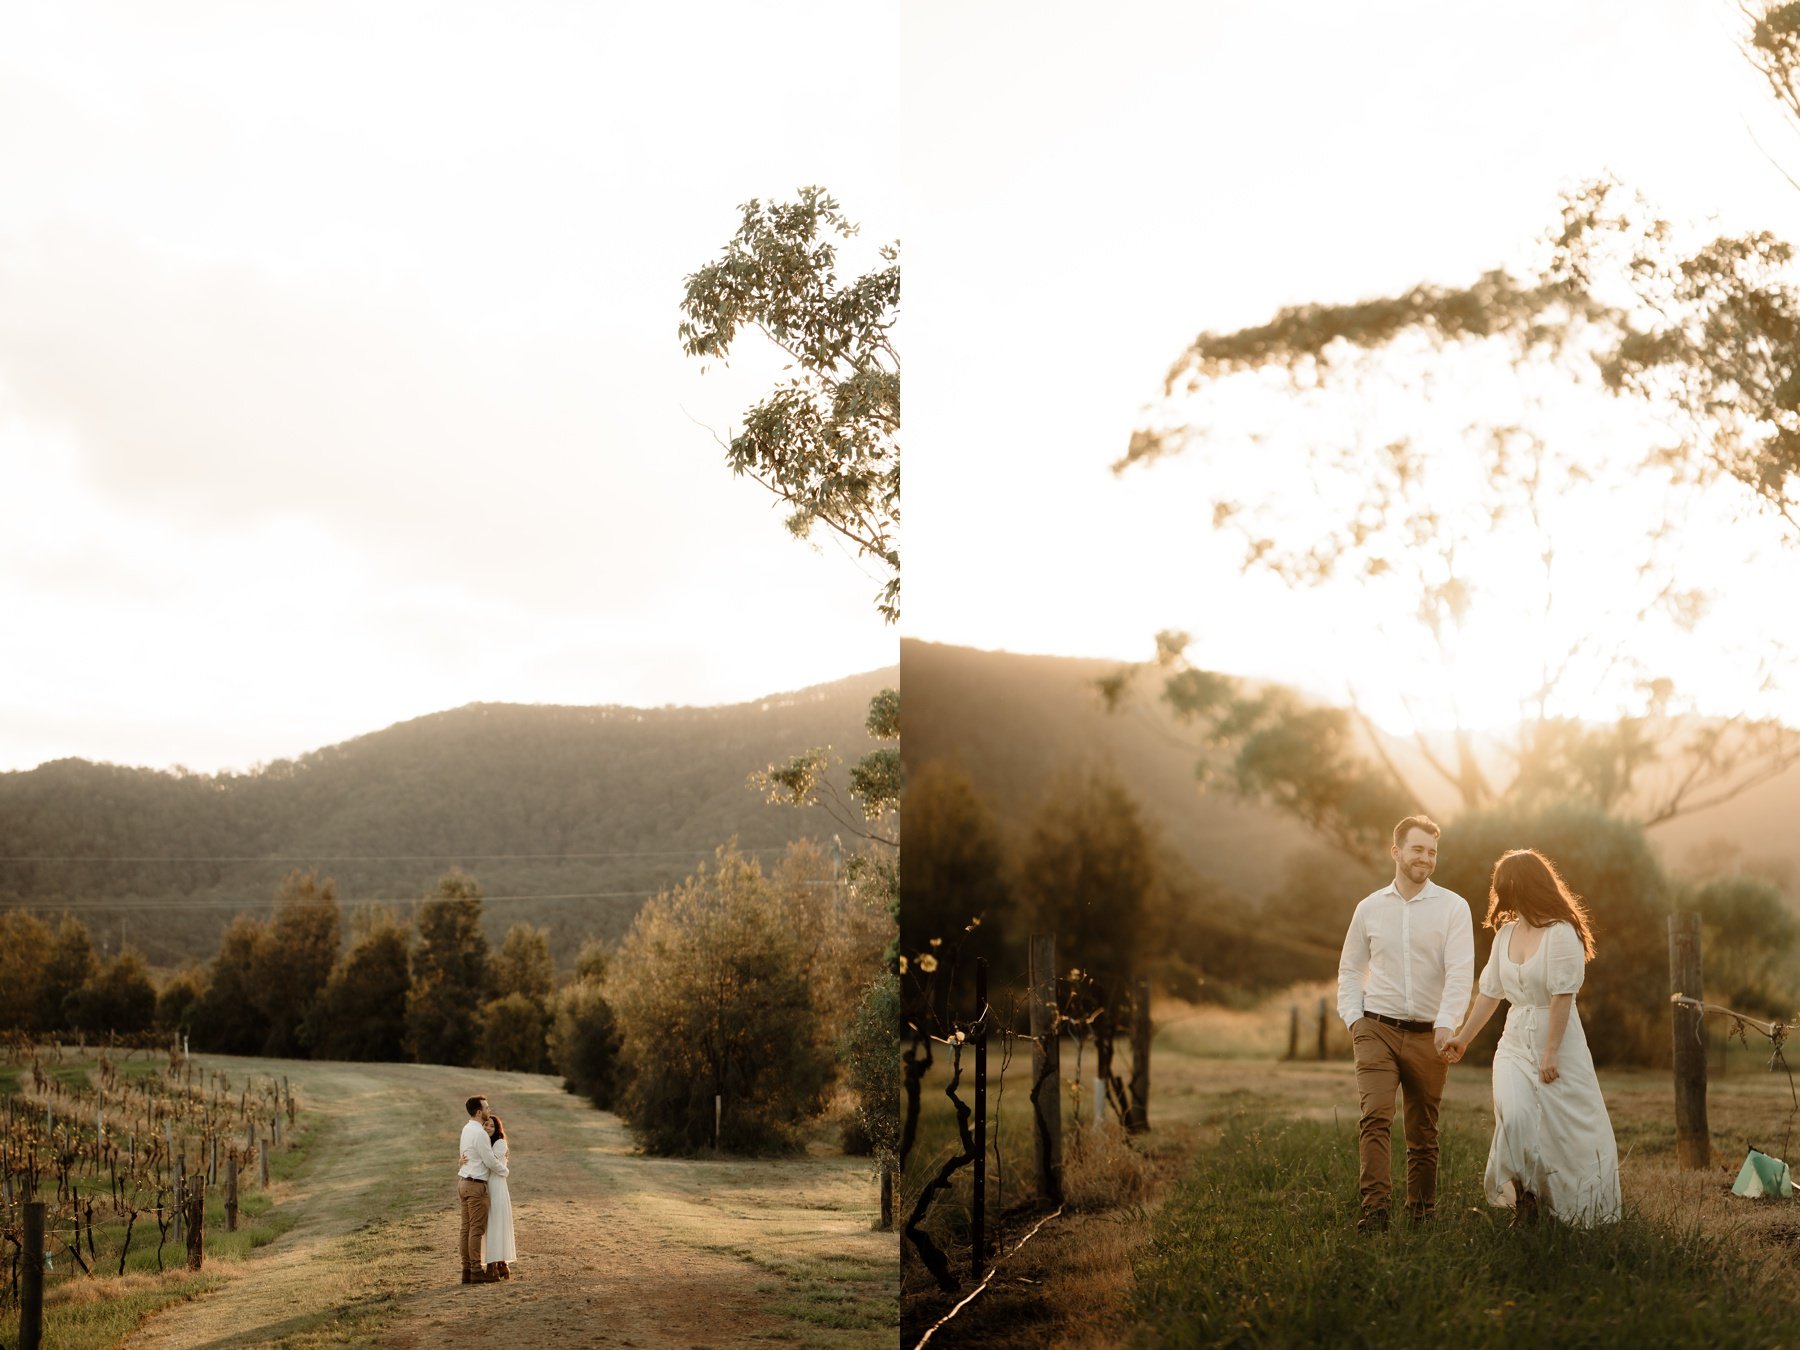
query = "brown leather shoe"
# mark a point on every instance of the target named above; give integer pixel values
(484, 1277)
(468, 1276)
(503, 1272)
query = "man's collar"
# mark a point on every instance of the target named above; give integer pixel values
(1393, 887)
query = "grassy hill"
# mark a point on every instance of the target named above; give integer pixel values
(599, 805)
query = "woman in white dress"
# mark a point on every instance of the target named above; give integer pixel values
(497, 1246)
(1553, 1143)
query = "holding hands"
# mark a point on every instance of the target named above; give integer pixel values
(1452, 1049)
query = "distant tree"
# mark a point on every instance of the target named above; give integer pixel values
(1749, 939)
(826, 440)
(293, 967)
(120, 997)
(952, 871)
(1458, 443)
(870, 1049)
(1087, 872)
(872, 878)
(362, 1014)
(523, 964)
(711, 994)
(449, 973)
(230, 1019)
(25, 942)
(584, 1035)
(512, 1034)
(847, 927)
(71, 965)
(178, 1002)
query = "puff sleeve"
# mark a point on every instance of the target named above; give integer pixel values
(1565, 960)
(1490, 973)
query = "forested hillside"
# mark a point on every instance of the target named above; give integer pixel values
(585, 810)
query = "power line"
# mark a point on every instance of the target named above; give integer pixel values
(391, 857)
(138, 903)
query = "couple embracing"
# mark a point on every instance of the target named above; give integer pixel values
(484, 1197)
(1403, 989)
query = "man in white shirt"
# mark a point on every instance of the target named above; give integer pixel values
(478, 1164)
(1403, 985)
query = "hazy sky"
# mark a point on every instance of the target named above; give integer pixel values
(1083, 198)
(339, 380)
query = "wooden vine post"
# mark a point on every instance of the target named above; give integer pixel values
(1139, 1118)
(1693, 1142)
(31, 1293)
(1046, 1069)
(978, 1191)
(196, 1223)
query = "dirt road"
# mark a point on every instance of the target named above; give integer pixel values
(614, 1248)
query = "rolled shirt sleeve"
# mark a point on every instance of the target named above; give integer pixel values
(1459, 967)
(1353, 968)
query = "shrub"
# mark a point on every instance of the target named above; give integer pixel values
(584, 1035)
(512, 1032)
(362, 1014)
(711, 991)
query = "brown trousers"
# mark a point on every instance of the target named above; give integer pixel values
(1388, 1058)
(474, 1198)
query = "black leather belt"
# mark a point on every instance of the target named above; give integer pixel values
(1387, 1021)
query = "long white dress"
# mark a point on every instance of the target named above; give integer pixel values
(497, 1245)
(1554, 1139)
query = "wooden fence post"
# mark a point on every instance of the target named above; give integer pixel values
(231, 1193)
(1046, 1068)
(1139, 1119)
(1293, 1032)
(1323, 1024)
(31, 1293)
(196, 1223)
(1693, 1142)
(265, 1162)
(978, 1195)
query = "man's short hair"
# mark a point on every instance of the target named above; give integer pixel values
(1425, 823)
(474, 1104)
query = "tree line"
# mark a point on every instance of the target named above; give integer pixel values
(740, 983)
(1090, 866)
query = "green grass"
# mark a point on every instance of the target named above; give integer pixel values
(72, 1075)
(1257, 1246)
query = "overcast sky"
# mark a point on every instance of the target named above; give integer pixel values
(1084, 197)
(339, 380)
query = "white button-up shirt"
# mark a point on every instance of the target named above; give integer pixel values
(483, 1163)
(1411, 959)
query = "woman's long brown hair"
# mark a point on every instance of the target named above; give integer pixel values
(499, 1131)
(1527, 886)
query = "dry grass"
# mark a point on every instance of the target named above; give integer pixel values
(1103, 1170)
